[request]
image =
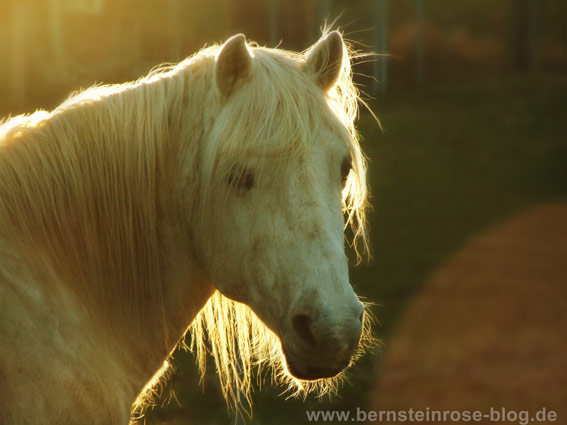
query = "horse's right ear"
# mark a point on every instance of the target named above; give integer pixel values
(233, 64)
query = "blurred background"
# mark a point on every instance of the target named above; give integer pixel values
(468, 180)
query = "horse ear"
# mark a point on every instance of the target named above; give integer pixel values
(233, 64)
(324, 60)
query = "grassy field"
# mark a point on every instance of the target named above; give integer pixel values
(452, 161)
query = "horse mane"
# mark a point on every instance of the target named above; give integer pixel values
(79, 191)
(69, 221)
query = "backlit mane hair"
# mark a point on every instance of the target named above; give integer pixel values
(107, 155)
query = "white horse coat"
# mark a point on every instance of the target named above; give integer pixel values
(209, 195)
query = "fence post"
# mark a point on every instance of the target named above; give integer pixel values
(419, 34)
(57, 41)
(175, 14)
(274, 27)
(18, 83)
(380, 63)
(323, 11)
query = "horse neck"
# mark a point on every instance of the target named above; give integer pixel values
(118, 247)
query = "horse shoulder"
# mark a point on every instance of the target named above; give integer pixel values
(53, 368)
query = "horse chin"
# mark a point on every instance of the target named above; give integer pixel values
(310, 370)
(234, 294)
(312, 373)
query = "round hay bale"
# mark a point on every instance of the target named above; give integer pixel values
(489, 329)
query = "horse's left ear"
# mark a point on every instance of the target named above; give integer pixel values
(324, 60)
(233, 64)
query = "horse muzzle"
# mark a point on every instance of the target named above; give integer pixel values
(318, 349)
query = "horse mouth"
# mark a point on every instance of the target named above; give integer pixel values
(312, 372)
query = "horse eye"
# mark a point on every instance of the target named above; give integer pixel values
(346, 166)
(241, 179)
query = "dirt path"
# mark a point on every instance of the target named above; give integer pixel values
(489, 329)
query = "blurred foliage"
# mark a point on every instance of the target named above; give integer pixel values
(55, 46)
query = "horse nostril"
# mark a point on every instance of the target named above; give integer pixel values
(361, 317)
(302, 325)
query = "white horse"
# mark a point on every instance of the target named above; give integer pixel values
(128, 210)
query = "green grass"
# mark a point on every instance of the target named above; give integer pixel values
(452, 161)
